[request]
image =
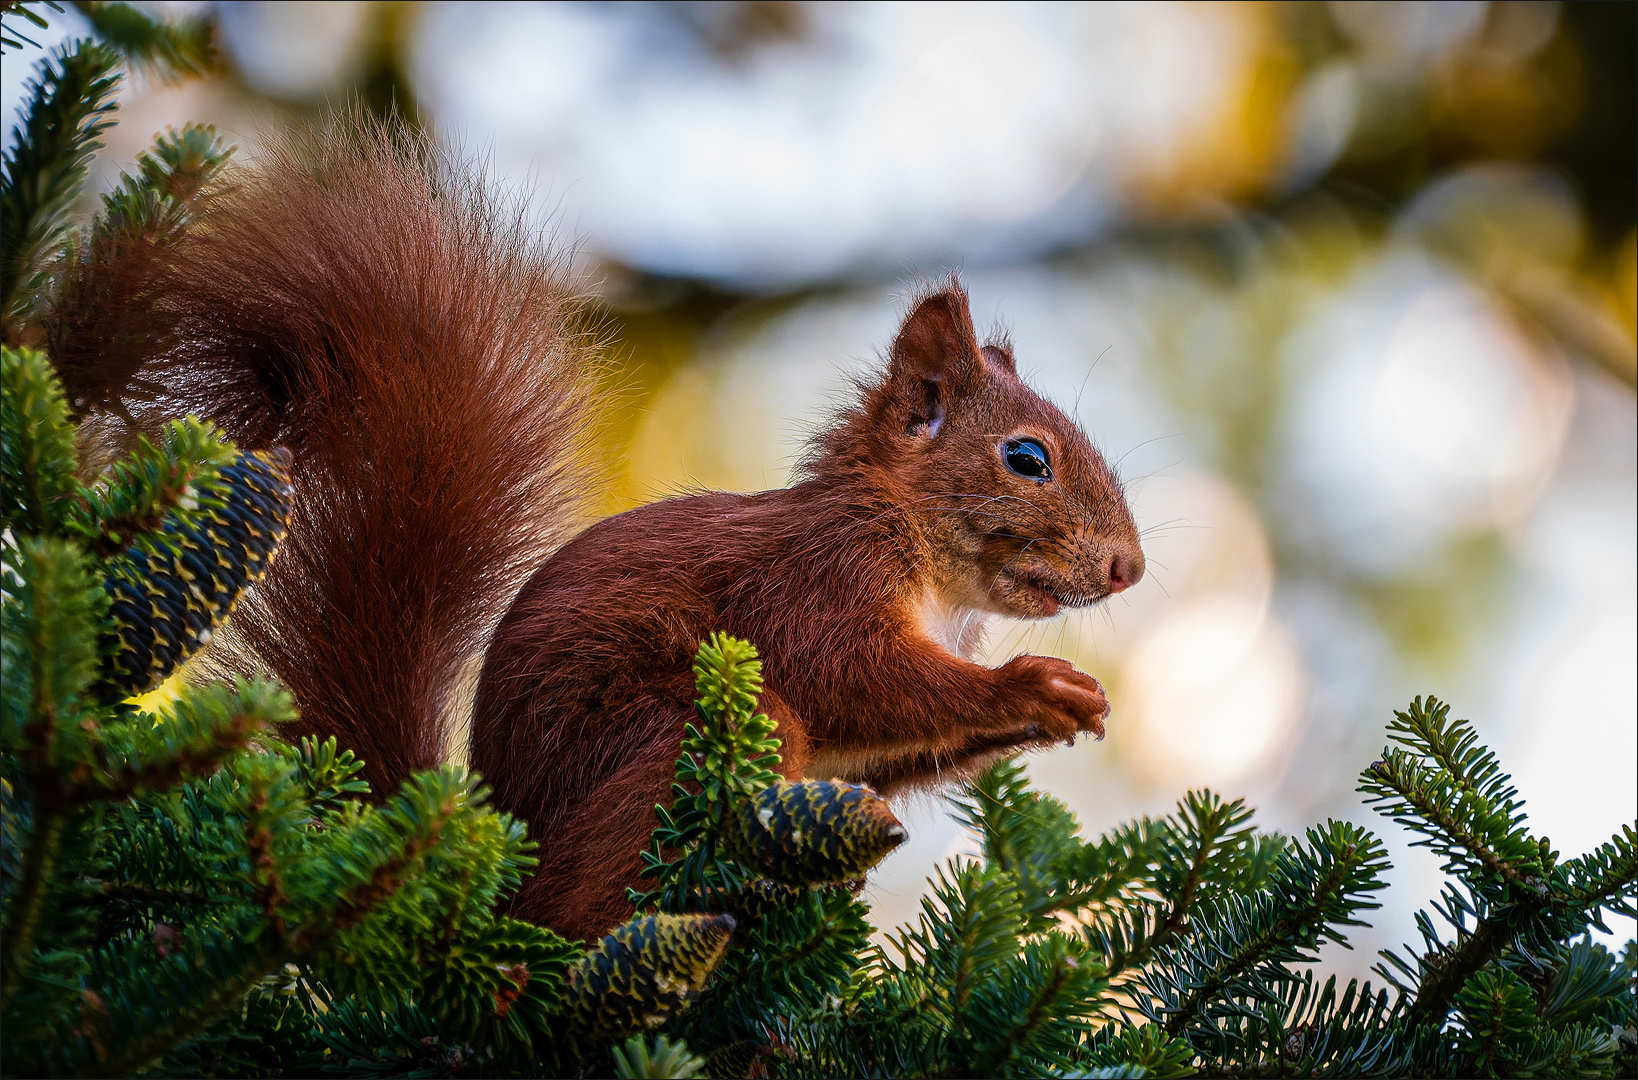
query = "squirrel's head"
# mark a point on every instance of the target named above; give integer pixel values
(1004, 496)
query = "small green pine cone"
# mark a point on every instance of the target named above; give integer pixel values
(813, 832)
(735, 1059)
(167, 600)
(645, 971)
(755, 898)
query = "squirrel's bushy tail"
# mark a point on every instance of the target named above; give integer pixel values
(364, 301)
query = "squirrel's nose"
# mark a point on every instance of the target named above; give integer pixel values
(1125, 570)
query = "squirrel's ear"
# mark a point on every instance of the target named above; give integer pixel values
(935, 358)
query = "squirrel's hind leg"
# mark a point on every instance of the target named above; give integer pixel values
(593, 854)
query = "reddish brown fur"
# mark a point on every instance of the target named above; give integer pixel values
(586, 685)
(384, 321)
(364, 303)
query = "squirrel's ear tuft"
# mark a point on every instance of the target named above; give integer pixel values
(937, 342)
(935, 356)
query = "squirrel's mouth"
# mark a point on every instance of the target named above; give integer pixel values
(1049, 595)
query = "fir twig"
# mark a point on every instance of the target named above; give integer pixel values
(36, 445)
(187, 994)
(1460, 800)
(49, 659)
(167, 50)
(105, 325)
(207, 725)
(70, 103)
(1316, 890)
(10, 36)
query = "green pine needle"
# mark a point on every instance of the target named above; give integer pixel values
(729, 755)
(135, 496)
(1246, 944)
(640, 1057)
(204, 727)
(105, 325)
(37, 459)
(1450, 789)
(10, 36)
(164, 50)
(70, 106)
(53, 608)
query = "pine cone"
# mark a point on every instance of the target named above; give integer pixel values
(754, 899)
(168, 600)
(812, 832)
(734, 1059)
(645, 971)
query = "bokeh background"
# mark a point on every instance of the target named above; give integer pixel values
(1346, 289)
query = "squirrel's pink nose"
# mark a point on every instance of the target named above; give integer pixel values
(1125, 570)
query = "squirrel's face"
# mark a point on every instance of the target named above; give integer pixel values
(1005, 496)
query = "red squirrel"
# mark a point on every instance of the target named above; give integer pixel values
(366, 303)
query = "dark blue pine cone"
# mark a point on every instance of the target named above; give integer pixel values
(645, 971)
(812, 832)
(170, 593)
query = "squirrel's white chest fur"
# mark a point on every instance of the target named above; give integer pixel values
(956, 629)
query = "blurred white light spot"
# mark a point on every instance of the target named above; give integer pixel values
(1454, 422)
(1463, 396)
(1581, 708)
(1210, 693)
(1324, 113)
(1406, 32)
(295, 49)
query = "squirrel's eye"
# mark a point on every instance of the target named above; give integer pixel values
(1026, 457)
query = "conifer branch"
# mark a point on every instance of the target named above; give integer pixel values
(1411, 787)
(1315, 890)
(10, 36)
(69, 106)
(384, 878)
(149, 894)
(28, 895)
(1121, 861)
(637, 1058)
(106, 325)
(1208, 824)
(1038, 1008)
(190, 992)
(1605, 877)
(1446, 975)
(167, 50)
(328, 774)
(1564, 909)
(36, 445)
(208, 725)
(138, 493)
(47, 657)
(1461, 802)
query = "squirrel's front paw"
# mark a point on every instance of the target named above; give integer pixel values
(1073, 700)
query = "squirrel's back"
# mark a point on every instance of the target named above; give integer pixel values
(362, 300)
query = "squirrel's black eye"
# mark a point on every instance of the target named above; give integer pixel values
(1026, 457)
